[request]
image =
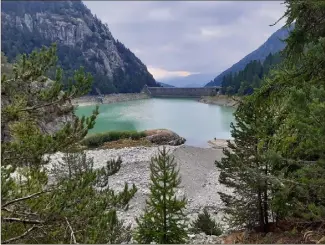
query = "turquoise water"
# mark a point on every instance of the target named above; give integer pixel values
(196, 122)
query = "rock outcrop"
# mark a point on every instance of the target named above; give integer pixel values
(82, 40)
(164, 137)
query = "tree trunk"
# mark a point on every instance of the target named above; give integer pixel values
(260, 211)
(165, 207)
(266, 208)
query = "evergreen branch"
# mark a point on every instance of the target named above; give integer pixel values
(35, 107)
(21, 236)
(25, 221)
(24, 198)
(73, 238)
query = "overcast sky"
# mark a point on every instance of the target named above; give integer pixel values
(178, 38)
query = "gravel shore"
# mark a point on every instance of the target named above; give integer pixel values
(107, 99)
(222, 100)
(197, 169)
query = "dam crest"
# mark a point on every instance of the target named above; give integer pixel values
(180, 92)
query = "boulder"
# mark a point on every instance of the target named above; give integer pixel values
(164, 137)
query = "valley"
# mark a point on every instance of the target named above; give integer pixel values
(166, 122)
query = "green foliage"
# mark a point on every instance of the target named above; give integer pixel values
(276, 165)
(163, 220)
(96, 140)
(308, 18)
(244, 167)
(65, 202)
(205, 223)
(251, 77)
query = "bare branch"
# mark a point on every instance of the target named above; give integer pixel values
(35, 107)
(25, 221)
(73, 238)
(23, 198)
(21, 236)
(18, 213)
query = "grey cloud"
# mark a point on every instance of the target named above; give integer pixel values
(191, 36)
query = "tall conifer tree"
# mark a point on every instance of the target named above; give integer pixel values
(163, 219)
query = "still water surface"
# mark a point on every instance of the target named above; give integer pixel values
(196, 122)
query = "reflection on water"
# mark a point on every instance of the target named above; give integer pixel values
(197, 122)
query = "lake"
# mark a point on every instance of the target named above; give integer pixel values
(196, 122)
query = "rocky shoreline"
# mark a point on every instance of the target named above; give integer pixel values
(107, 99)
(197, 169)
(222, 100)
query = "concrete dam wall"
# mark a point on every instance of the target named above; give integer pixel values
(180, 92)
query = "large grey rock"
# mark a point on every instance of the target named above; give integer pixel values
(164, 137)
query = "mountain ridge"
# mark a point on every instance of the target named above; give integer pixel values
(82, 40)
(194, 80)
(272, 45)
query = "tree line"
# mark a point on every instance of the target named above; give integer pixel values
(251, 77)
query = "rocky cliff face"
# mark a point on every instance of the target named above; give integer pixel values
(82, 40)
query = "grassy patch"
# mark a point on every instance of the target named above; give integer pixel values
(97, 140)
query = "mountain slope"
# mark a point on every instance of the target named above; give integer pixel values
(165, 85)
(82, 40)
(195, 80)
(272, 45)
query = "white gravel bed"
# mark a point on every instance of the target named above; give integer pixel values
(128, 154)
(197, 169)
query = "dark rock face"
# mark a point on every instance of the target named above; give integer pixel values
(164, 137)
(82, 40)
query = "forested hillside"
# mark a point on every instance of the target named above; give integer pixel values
(273, 45)
(251, 77)
(82, 40)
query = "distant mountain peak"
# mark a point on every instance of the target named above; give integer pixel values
(194, 80)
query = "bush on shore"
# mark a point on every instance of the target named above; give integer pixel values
(205, 223)
(99, 139)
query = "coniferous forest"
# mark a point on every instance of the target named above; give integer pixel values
(245, 81)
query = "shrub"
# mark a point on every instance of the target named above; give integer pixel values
(99, 139)
(205, 223)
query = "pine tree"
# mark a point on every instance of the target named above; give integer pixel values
(205, 223)
(244, 169)
(71, 204)
(163, 220)
(276, 164)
